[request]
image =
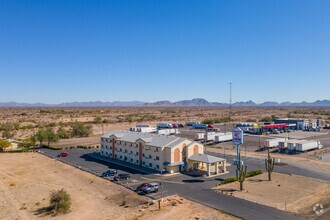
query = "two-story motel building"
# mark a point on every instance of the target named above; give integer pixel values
(158, 152)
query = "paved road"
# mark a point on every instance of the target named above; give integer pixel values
(196, 189)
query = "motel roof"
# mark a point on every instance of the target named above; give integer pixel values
(155, 140)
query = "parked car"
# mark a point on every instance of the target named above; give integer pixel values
(63, 154)
(150, 188)
(175, 125)
(180, 125)
(111, 172)
(140, 188)
(122, 176)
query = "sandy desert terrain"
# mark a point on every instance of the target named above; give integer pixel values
(27, 179)
(290, 193)
(29, 120)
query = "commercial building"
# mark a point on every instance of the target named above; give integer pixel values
(159, 152)
(300, 123)
(293, 123)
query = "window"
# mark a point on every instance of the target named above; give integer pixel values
(157, 158)
(110, 154)
(102, 146)
(156, 149)
(143, 154)
(137, 153)
(150, 157)
(131, 159)
(106, 153)
(157, 166)
(125, 151)
(131, 145)
(120, 150)
(120, 156)
(143, 163)
(131, 152)
(137, 161)
(150, 164)
(110, 148)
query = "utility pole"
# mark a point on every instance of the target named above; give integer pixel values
(230, 100)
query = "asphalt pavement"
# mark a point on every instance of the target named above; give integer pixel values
(194, 188)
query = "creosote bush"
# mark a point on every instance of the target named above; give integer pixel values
(60, 202)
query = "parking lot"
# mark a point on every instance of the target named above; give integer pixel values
(252, 142)
(198, 189)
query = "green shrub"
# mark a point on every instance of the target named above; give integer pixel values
(253, 173)
(60, 202)
(248, 174)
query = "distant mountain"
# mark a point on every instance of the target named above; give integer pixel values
(248, 103)
(192, 102)
(100, 104)
(160, 103)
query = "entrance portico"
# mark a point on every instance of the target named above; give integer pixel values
(206, 162)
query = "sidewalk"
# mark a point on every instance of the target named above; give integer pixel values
(122, 163)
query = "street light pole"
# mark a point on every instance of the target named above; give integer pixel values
(230, 103)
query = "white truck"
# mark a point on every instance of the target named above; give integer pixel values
(308, 145)
(270, 143)
(213, 136)
(221, 137)
(147, 130)
(169, 131)
(200, 136)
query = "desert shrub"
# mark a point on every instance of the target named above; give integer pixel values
(81, 130)
(3, 145)
(60, 202)
(266, 119)
(253, 173)
(63, 134)
(229, 180)
(248, 174)
(208, 121)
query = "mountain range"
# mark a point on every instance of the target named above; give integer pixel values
(192, 102)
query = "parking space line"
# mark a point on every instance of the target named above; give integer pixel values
(162, 180)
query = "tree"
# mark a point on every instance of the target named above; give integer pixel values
(60, 202)
(63, 134)
(7, 134)
(41, 136)
(4, 144)
(7, 130)
(98, 120)
(50, 136)
(33, 140)
(81, 130)
(266, 119)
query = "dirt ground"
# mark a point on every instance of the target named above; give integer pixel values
(29, 120)
(27, 179)
(290, 193)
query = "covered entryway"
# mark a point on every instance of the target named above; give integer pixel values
(208, 163)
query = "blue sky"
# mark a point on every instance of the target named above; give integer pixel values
(60, 51)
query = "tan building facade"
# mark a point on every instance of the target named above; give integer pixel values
(153, 151)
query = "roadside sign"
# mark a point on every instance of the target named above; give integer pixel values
(237, 136)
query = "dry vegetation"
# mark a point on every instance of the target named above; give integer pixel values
(27, 180)
(290, 193)
(25, 121)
